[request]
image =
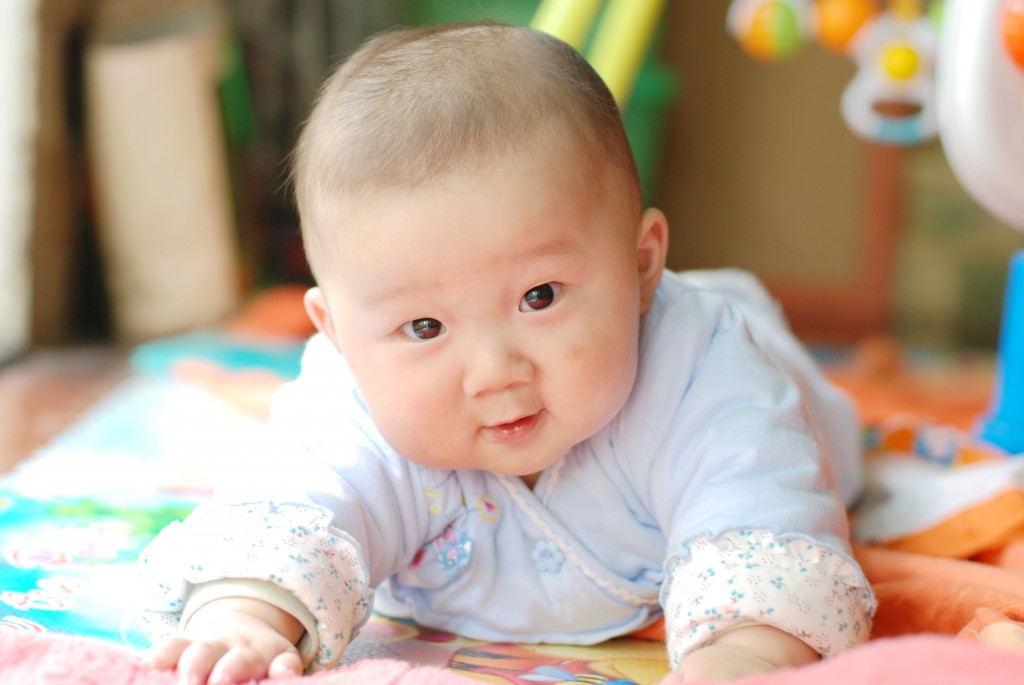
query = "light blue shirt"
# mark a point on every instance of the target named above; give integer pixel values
(713, 438)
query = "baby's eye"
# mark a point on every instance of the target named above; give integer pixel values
(423, 329)
(539, 297)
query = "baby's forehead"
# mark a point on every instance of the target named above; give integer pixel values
(563, 190)
(582, 173)
(546, 148)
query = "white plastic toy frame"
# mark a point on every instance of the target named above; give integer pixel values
(981, 107)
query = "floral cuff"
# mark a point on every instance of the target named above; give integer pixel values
(290, 546)
(790, 583)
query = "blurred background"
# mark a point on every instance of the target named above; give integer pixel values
(143, 171)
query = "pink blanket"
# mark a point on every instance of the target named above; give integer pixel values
(53, 659)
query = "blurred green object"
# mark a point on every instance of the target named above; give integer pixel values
(656, 84)
(235, 94)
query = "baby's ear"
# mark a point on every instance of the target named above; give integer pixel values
(320, 314)
(651, 253)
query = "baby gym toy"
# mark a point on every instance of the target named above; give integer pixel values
(980, 86)
(891, 98)
(953, 69)
(620, 41)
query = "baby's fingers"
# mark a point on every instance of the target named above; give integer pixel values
(285, 665)
(198, 660)
(167, 654)
(243, 664)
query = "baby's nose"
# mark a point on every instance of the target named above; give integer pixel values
(495, 364)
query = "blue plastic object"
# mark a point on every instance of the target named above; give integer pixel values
(1003, 425)
(231, 352)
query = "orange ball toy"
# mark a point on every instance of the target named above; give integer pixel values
(838, 21)
(774, 31)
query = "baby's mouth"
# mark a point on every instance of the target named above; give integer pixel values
(514, 430)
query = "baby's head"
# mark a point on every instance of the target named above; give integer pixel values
(413, 105)
(471, 212)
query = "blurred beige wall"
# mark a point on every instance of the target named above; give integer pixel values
(759, 170)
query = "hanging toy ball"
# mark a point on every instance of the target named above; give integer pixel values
(838, 21)
(1013, 29)
(770, 30)
(900, 61)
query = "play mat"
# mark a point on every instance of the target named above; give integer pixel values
(939, 535)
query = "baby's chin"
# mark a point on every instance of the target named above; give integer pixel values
(529, 472)
(530, 479)
(527, 458)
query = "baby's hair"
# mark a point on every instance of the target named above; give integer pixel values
(414, 104)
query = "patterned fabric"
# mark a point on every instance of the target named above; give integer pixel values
(294, 548)
(795, 585)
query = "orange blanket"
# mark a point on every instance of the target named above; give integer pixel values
(964, 574)
(918, 593)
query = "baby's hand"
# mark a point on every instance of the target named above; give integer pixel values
(718, 664)
(233, 640)
(748, 650)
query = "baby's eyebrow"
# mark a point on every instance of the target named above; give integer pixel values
(555, 247)
(378, 297)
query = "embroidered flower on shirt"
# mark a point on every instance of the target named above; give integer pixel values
(547, 557)
(435, 498)
(453, 550)
(488, 508)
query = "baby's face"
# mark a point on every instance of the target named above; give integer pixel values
(490, 319)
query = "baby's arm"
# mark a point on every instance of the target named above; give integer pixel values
(738, 481)
(233, 640)
(752, 602)
(744, 650)
(285, 556)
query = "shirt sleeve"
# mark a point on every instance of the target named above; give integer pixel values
(327, 512)
(290, 556)
(831, 413)
(727, 427)
(792, 584)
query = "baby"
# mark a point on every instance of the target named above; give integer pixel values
(514, 424)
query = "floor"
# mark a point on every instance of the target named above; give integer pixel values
(45, 390)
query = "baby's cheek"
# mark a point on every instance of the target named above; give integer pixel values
(601, 378)
(577, 353)
(412, 419)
